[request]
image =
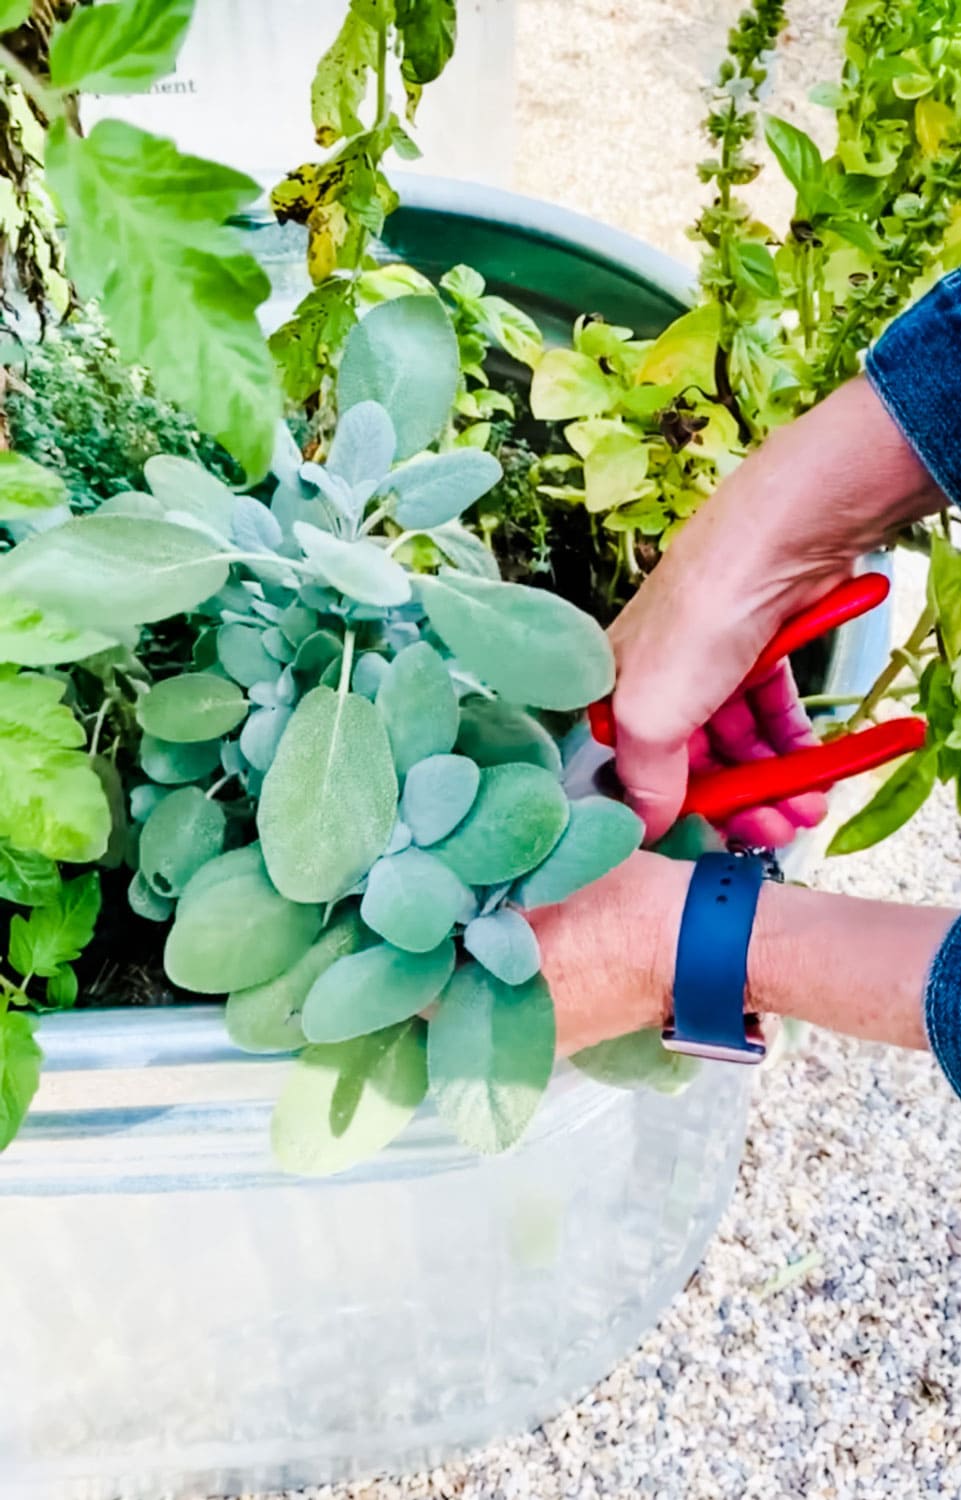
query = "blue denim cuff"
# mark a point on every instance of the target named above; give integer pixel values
(942, 1006)
(915, 368)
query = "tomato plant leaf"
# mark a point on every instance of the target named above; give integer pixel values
(56, 934)
(20, 1058)
(118, 48)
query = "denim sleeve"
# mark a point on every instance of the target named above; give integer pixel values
(915, 368)
(942, 1006)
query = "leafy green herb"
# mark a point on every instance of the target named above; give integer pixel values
(20, 1058)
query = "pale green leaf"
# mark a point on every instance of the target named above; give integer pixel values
(35, 637)
(329, 800)
(412, 900)
(12, 14)
(346, 1101)
(110, 573)
(261, 735)
(684, 354)
(241, 653)
(505, 945)
(438, 487)
(51, 798)
(147, 240)
(182, 833)
(26, 487)
(495, 733)
(361, 570)
(439, 792)
(944, 593)
(615, 462)
(403, 354)
(266, 1018)
(118, 48)
(417, 700)
(174, 765)
(20, 1056)
(601, 834)
(531, 646)
(517, 817)
(192, 708)
(27, 878)
(364, 446)
(145, 903)
(58, 933)
(798, 158)
(518, 334)
(490, 1056)
(183, 486)
(636, 1060)
(379, 987)
(233, 929)
(568, 385)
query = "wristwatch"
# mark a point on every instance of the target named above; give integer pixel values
(710, 973)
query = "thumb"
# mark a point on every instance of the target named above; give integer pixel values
(653, 773)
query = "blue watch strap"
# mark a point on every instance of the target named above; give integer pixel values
(710, 973)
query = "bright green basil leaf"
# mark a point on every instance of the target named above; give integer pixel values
(601, 834)
(438, 487)
(518, 334)
(26, 486)
(419, 705)
(637, 1059)
(266, 1018)
(182, 833)
(568, 385)
(51, 798)
(27, 878)
(891, 806)
(428, 32)
(518, 816)
(120, 48)
(56, 934)
(379, 987)
(752, 265)
(529, 645)
(110, 573)
(329, 800)
(798, 157)
(490, 1054)
(505, 945)
(174, 765)
(346, 1101)
(233, 929)
(361, 570)
(20, 1059)
(13, 13)
(364, 446)
(439, 792)
(34, 637)
(412, 900)
(192, 708)
(147, 240)
(183, 486)
(403, 354)
(495, 733)
(944, 593)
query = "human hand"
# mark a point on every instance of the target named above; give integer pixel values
(777, 535)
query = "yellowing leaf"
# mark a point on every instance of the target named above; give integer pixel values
(932, 123)
(568, 385)
(26, 487)
(615, 462)
(685, 351)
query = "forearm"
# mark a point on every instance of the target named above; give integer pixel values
(844, 963)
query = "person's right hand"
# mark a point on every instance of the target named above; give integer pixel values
(777, 535)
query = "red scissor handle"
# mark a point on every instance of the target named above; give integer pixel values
(716, 795)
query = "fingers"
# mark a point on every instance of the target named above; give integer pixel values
(654, 781)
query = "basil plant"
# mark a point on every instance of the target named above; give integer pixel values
(345, 799)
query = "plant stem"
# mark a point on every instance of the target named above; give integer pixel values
(382, 99)
(375, 518)
(886, 680)
(851, 700)
(346, 664)
(98, 726)
(46, 100)
(212, 791)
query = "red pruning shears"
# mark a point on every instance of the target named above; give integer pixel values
(717, 795)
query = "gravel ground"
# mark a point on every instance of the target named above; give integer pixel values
(840, 1384)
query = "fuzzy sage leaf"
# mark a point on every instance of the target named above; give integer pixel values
(378, 987)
